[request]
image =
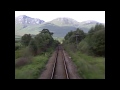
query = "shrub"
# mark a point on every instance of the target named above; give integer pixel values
(25, 40)
(22, 61)
(17, 47)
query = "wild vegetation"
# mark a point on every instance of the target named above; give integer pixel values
(31, 54)
(87, 51)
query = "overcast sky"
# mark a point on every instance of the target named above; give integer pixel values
(76, 15)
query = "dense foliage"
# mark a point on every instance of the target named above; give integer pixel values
(26, 39)
(92, 43)
(71, 36)
(38, 44)
(32, 53)
(42, 41)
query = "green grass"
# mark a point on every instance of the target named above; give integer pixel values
(88, 67)
(31, 70)
(19, 53)
(29, 67)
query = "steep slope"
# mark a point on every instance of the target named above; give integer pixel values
(57, 30)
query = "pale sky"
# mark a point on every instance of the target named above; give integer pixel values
(76, 15)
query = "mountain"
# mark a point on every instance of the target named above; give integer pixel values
(59, 26)
(88, 24)
(65, 22)
(23, 21)
(59, 31)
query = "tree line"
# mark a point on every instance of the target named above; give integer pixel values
(40, 43)
(92, 43)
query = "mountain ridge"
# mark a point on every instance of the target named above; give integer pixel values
(60, 26)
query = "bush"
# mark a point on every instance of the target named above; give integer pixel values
(94, 42)
(17, 47)
(22, 52)
(97, 43)
(25, 40)
(26, 52)
(83, 46)
(31, 70)
(71, 36)
(22, 61)
(42, 42)
(18, 53)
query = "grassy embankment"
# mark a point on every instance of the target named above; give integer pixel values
(88, 67)
(27, 66)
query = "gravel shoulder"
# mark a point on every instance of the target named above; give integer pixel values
(46, 74)
(72, 69)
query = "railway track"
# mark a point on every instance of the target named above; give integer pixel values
(59, 70)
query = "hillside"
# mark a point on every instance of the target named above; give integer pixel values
(24, 21)
(59, 26)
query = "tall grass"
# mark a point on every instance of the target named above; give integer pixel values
(88, 67)
(30, 67)
(18, 54)
(31, 70)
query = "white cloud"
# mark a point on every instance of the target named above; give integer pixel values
(77, 15)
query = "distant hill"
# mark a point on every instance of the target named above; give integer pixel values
(24, 21)
(65, 22)
(59, 26)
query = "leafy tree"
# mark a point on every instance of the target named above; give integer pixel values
(97, 43)
(71, 36)
(92, 43)
(33, 47)
(42, 42)
(68, 35)
(96, 28)
(46, 31)
(17, 47)
(26, 39)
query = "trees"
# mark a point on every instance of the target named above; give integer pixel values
(81, 34)
(42, 42)
(33, 47)
(44, 39)
(71, 36)
(47, 31)
(95, 41)
(96, 28)
(17, 47)
(92, 43)
(25, 39)
(68, 35)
